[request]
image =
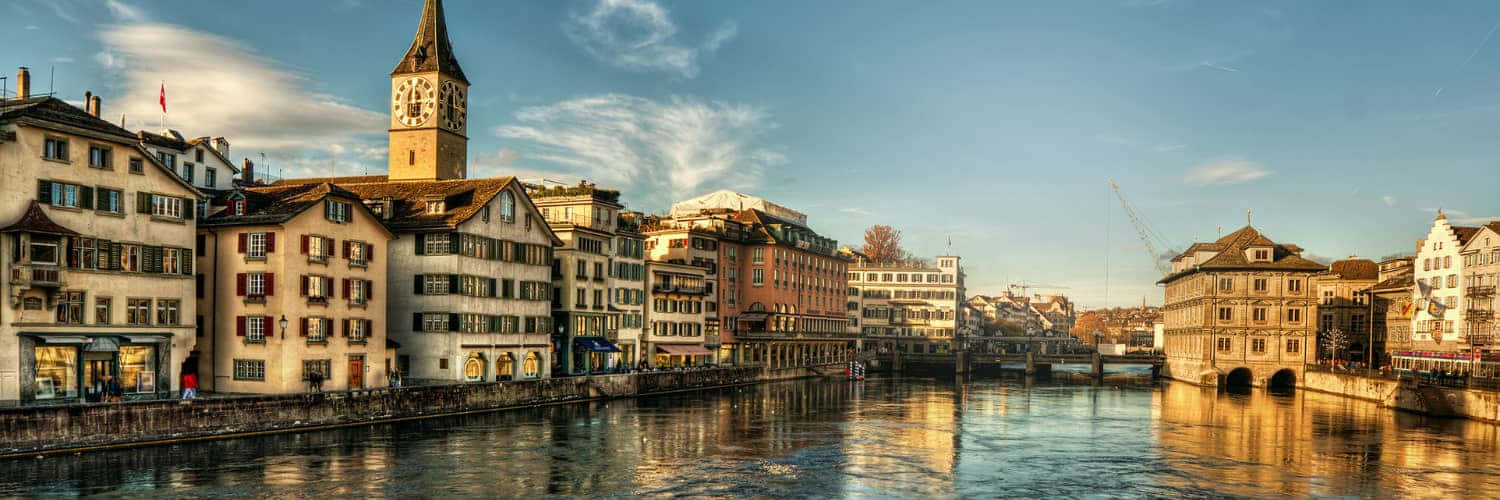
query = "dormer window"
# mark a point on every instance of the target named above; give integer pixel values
(237, 207)
(435, 207)
(1259, 254)
(336, 211)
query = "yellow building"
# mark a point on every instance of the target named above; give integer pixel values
(295, 284)
(675, 316)
(1238, 311)
(96, 245)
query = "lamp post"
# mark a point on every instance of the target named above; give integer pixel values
(282, 323)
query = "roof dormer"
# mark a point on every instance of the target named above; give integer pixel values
(1260, 253)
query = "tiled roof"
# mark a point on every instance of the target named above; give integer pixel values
(56, 110)
(276, 204)
(204, 141)
(462, 199)
(431, 50)
(1403, 281)
(1464, 233)
(1356, 269)
(1231, 255)
(162, 141)
(35, 220)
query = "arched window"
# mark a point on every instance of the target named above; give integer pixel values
(474, 368)
(504, 367)
(532, 367)
(507, 207)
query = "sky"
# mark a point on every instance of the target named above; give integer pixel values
(1338, 126)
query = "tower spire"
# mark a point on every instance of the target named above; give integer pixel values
(431, 50)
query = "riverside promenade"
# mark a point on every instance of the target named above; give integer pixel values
(37, 430)
(1466, 398)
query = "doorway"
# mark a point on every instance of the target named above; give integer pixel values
(98, 366)
(357, 371)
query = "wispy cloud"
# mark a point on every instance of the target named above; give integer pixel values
(1390, 201)
(663, 150)
(1446, 211)
(257, 102)
(1476, 220)
(855, 211)
(63, 60)
(125, 12)
(32, 27)
(62, 11)
(1225, 172)
(1220, 67)
(639, 35)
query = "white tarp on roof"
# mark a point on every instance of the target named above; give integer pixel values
(725, 198)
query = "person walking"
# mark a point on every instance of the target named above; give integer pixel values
(189, 386)
(316, 380)
(113, 389)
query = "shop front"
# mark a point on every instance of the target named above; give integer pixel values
(78, 368)
(681, 355)
(600, 356)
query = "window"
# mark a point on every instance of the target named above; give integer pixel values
(1226, 314)
(101, 310)
(136, 167)
(1452, 281)
(1258, 346)
(757, 276)
(1260, 284)
(169, 160)
(249, 369)
(434, 322)
(1223, 344)
(255, 284)
(1258, 314)
(1294, 315)
(434, 284)
(100, 157)
(758, 256)
(358, 290)
(356, 251)
(322, 367)
(168, 312)
(316, 286)
(1327, 297)
(434, 207)
(315, 329)
(210, 176)
(435, 244)
(55, 148)
(1294, 285)
(70, 308)
(1226, 284)
(187, 172)
(507, 207)
(56, 372)
(166, 206)
(130, 258)
(138, 311)
(255, 328)
(355, 329)
(1326, 323)
(171, 260)
(108, 200)
(317, 247)
(336, 211)
(1293, 345)
(64, 195)
(1262, 255)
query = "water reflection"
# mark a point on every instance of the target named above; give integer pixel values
(829, 438)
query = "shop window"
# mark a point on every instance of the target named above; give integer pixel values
(138, 368)
(56, 372)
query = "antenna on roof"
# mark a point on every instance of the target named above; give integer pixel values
(51, 80)
(1247, 217)
(4, 82)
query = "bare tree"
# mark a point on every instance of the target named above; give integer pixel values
(883, 244)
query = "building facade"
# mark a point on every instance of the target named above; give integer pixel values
(203, 161)
(1346, 312)
(1238, 311)
(294, 286)
(585, 219)
(96, 246)
(676, 316)
(1480, 273)
(909, 308)
(1440, 294)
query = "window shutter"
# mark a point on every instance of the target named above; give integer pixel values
(327, 327)
(416, 322)
(303, 326)
(369, 328)
(244, 242)
(185, 262)
(344, 328)
(270, 242)
(270, 326)
(369, 290)
(239, 284)
(328, 211)
(492, 287)
(189, 208)
(142, 202)
(101, 199)
(115, 250)
(346, 288)
(86, 197)
(421, 241)
(303, 288)
(346, 249)
(328, 247)
(44, 192)
(418, 281)
(270, 284)
(453, 322)
(452, 283)
(454, 240)
(304, 244)
(239, 326)
(369, 252)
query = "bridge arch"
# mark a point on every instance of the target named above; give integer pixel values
(1239, 378)
(1284, 379)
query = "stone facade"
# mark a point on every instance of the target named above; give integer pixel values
(676, 315)
(908, 308)
(1480, 274)
(586, 220)
(1239, 311)
(1346, 308)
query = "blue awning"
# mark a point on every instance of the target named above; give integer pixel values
(596, 344)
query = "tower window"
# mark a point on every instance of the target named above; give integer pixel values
(411, 157)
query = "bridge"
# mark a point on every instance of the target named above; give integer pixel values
(1034, 363)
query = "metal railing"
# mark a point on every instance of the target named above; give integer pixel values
(1480, 291)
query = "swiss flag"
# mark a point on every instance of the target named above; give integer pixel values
(164, 97)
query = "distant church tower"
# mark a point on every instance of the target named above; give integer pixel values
(429, 99)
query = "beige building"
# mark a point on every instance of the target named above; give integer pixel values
(1393, 295)
(295, 284)
(675, 316)
(1480, 274)
(1238, 311)
(628, 291)
(692, 243)
(586, 219)
(1345, 309)
(909, 308)
(96, 245)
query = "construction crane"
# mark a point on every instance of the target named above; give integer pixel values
(1025, 286)
(1153, 240)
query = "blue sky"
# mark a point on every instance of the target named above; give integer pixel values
(1341, 125)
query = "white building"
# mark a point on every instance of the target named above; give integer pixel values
(1439, 292)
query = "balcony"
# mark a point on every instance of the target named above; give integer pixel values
(578, 221)
(1478, 314)
(38, 275)
(1480, 339)
(1480, 291)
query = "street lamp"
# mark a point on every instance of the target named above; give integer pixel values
(283, 325)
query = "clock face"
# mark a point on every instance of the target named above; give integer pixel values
(415, 101)
(455, 104)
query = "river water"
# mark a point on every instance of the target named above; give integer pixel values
(901, 437)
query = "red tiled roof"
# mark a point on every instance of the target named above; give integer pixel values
(1356, 269)
(35, 220)
(1231, 255)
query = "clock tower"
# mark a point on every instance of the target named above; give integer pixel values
(429, 105)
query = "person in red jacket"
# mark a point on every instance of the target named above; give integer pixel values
(189, 385)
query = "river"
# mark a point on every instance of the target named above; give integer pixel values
(903, 437)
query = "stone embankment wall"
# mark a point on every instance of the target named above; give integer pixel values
(42, 428)
(1474, 404)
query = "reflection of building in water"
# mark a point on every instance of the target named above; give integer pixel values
(917, 437)
(1256, 442)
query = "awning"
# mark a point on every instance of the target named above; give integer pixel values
(754, 316)
(683, 349)
(596, 344)
(66, 340)
(145, 339)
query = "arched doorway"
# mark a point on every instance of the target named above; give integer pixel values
(1284, 381)
(1238, 379)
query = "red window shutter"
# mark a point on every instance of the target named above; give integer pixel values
(327, 326)
(244, 242)
(302, 325)
(270, 284)
(303, 289)
(239, 285)
(344, 328)
(239, 326)
(369, 290)
(328, 247)
(270, 326)
(346, 288)
(304, 244)
(346, 249)
(369, 252)
(270, 242)
(367, 329)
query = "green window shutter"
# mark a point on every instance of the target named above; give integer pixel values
(421, 241)
(86, 197)
(189, 207)
(453, 325)
(102, 199)
(142, 203)
(115, 251)
(453, 283)
(416, 322)
(44, 192)
(454, 239)
(419, 284)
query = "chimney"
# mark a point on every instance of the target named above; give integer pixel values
(88, 102)
(222, 146)
(23, 83)
(247, 173)
(94, 103)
